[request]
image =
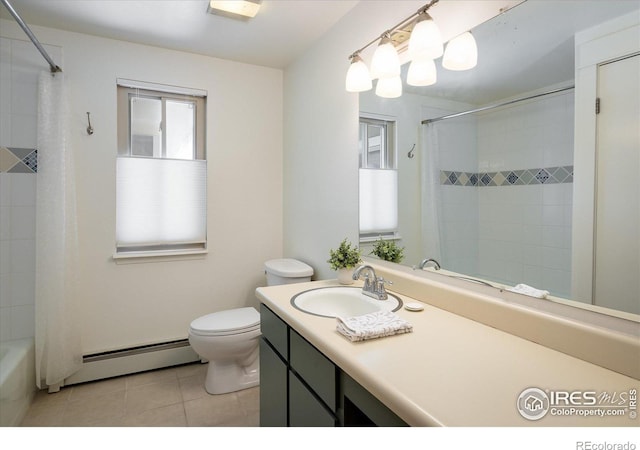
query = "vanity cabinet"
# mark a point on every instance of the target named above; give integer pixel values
(301, 387)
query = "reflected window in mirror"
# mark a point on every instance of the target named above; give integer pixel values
(378, 179)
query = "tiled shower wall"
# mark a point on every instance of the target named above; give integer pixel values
(20, 65)
(510, 214)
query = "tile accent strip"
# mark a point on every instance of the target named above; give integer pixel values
(544, 175)
(18, 160)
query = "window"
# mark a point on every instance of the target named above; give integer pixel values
(161, 170)
(378, 179)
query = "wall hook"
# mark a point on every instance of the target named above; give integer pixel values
(89, 128)
(410, 154)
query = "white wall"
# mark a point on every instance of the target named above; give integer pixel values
(134, 304)
(321, 137)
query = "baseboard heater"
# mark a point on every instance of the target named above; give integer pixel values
(126, 361)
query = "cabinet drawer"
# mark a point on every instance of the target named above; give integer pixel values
(314, 368)
(273, 395)
(305, 410)
(274, 330)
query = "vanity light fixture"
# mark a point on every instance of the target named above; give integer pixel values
(426, 40)
(389, 87)
(358, 77)
(385, 62)
(461, 53)
(235, 9)
(422, 72)
(425, 45)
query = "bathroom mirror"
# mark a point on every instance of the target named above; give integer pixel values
(504, 184)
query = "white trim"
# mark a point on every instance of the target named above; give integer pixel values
(161, 87)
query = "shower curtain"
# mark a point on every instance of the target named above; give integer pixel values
(431, 198)
(57, 333)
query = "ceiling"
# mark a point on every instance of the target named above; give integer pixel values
(529, 47)
(280, 32)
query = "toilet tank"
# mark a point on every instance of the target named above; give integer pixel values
(287, 271)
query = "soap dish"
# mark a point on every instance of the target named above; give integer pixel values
(413, 306)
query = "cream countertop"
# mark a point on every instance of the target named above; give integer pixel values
(450, 370)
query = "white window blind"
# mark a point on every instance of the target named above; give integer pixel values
(378, 200)
(160, 203)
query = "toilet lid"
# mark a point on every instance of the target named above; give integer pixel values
(239, 320)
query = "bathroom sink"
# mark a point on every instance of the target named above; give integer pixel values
(342, 301)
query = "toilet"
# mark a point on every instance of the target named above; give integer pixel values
(229, 339)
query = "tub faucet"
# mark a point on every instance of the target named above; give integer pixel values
(373, 285)
(436, 264)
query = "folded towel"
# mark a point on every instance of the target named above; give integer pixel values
(528, 290)
(371, 326)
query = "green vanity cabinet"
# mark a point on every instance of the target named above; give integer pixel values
(301, 387)
(297, 382)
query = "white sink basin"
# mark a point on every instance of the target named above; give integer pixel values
(342, 301)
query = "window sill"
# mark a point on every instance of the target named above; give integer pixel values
(158, 256)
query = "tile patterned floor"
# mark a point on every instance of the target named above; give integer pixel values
(172, 397)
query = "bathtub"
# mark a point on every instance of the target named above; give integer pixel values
(17, 380)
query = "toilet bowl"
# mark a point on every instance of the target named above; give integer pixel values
(228, 340)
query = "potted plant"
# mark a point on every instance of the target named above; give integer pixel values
(343, 260)
(388, 251)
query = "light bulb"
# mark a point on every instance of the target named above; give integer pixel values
(422, 72)
(385, 62)
(390, 87)
(461, 53)
(358, 78)
(425, 41)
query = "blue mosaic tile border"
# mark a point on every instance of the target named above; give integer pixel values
(525, 177)
(18, 160)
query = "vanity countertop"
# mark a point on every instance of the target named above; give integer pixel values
(453, 371)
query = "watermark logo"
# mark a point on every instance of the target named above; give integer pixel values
(534, 403)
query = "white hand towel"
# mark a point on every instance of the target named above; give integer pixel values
(372, 326)
(528, 290)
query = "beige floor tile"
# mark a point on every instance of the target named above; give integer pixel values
(154, 395)
(44, 416)
(166, 416)
(86, 391)
(153, 376)
(214, 410)
(103, 410)
(250, 399)
(190, 370)
(43, 398)
(192, 387)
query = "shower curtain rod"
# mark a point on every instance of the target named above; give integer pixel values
(497, 105)
(25, 28)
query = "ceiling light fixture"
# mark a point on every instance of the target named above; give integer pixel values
(235, 9)
(425, 45)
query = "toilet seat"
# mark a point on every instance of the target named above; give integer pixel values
(226, 323)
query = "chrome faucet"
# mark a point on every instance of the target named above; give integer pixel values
(373, 285)
(424, 262)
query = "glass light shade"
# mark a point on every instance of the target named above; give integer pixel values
(390, 87)
(425, 41)
(385, 62)
(422, 72)
(461, 53)
(358, 78)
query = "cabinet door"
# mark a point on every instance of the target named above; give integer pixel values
(305, 410)
(273, 388)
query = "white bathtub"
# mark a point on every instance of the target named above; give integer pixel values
(17, 380)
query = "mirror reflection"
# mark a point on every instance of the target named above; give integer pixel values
(490, 195)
